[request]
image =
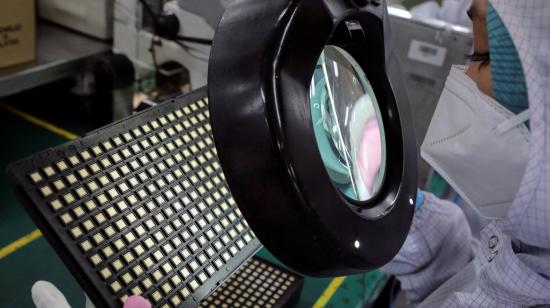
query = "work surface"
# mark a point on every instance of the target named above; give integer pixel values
(26, 257)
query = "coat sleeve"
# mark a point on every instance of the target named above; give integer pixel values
(438, 246)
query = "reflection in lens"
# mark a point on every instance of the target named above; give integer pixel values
(347, 124)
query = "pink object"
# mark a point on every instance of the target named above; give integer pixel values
(370, 153)
(136, 301)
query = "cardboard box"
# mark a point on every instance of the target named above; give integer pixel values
(17, 32)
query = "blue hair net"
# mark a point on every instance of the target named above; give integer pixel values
(508, 79)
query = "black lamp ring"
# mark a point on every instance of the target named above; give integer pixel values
(261, 65)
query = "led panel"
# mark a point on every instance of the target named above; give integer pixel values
(257, 284)
(140, 207)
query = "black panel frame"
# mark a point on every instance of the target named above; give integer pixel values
(96, 289)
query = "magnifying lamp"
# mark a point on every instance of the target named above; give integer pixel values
(314, 131)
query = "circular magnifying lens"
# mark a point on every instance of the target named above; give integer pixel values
(347, 124)
(351, 211)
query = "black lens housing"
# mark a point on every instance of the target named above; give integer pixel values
(262, 61)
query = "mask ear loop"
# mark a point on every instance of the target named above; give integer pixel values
(515, 121)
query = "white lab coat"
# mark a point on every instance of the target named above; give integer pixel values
(441, 263)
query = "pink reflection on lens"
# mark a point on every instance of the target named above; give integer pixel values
(370, 153)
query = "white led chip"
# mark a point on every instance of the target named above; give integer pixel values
(125, 170)
(66, 218)
(133, 182)
(135, 148)
(85, 155)
(111, 211)
(104, 180)
(102, 199)
(126, 153)
(90, 205)
(136, 132)
(154, 124)
(69, 198)
(145, 128)
(116, 158)
(107, 146)
(61, 165)
(127, 137)
(117, 141)
(78, 211)
(71, 179)
(96, 150)
(49, 171)
(83, 173)
(154, 139)
(145, 144)
(95, 168)
(114, 175)
(105, 163)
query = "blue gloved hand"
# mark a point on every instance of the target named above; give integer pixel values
(419, 199)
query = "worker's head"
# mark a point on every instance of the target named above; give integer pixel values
(477, 127)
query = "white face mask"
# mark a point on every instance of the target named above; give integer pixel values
(479, 147)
